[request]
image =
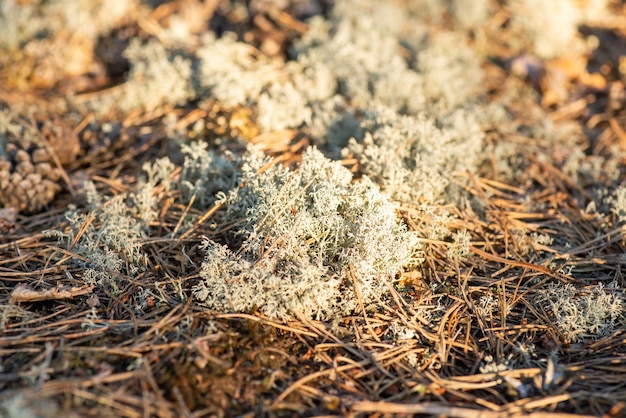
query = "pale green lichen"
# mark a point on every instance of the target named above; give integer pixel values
(307, 241)
(592, 312)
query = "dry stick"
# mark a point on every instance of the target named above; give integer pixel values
(42, 319)
(209, 357)
(363, 388)
(189, 118)
(83, 228)
(370, 359)
(266, 322)
(613, 235)
(61, 386)
(446, 343)
(201, 220)
(273, 140)
(322, 332)
(68, 255)
(489, 204)
(126, 396)
(23, 293)
(387, 359)
(123, 410)
(434, 409)
(34, 240)
(313, 376)
(114, 184)
(463, 286)
(183, 215)
(180, 401)
(618, 131)
(495, 186)
(149, 378)
(6, 275)
(560, 174)
(559, 276)
(503, 309)
(357, 291)
(166, 319)
(481, 377)
(526, 404)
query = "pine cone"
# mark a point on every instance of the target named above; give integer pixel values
(29, 176)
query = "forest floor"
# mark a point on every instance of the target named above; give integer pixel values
(527, 316)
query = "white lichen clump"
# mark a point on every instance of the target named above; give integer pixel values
(593, 312)
(414, 158)
(109, 238)
(551, 26)
(308, 241)
(158, 76)
(617, 202)
(23, 21)
(205, 173)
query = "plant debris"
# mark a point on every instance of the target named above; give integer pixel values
(311, 207)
